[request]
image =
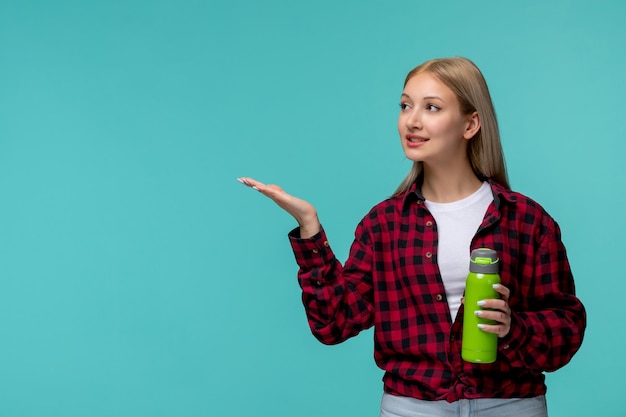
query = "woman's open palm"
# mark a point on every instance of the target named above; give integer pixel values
(304, 213)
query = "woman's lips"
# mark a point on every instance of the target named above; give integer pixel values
(415, 141)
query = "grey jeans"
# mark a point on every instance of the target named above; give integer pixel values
(393, 406)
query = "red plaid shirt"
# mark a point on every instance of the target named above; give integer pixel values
(391, 281)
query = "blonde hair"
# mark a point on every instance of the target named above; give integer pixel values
(484, 150)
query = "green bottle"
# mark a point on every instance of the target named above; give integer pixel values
(479, 346)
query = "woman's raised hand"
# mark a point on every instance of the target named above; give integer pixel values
(304, 213)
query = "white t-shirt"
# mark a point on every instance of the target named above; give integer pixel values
(457, 223)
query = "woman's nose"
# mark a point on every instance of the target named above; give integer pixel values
(413, 120)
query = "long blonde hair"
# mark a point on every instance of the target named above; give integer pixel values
(484, 150)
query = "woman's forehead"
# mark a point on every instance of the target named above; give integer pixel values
(425, 85)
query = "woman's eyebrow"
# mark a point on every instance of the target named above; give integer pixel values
(433, 98)
(425, 98)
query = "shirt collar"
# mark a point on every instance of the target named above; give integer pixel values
(500, 194)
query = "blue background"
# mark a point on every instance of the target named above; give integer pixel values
(138, 278)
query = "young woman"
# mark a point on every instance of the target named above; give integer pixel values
(406, 269)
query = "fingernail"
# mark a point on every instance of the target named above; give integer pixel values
(481, 303)
(481, 326)
(496, 286)
(241, 181)
(254, 187)
(478, 312)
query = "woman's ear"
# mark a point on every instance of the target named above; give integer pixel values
(473, 126)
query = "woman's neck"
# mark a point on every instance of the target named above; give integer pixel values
(449, 184)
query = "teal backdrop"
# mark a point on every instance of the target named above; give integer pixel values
(138, 278)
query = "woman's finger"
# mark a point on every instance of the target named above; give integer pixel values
(503, 291)
(267, 189)
(502, 321)
(497, 310)
(500, 329)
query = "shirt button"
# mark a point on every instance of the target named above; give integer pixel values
(429, 255)
(429, 223)
(315, 250)
(452, 338)
(326, 243)
(439, 297)
(318, 283)
(506, 347)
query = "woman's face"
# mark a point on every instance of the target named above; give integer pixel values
(432, 128)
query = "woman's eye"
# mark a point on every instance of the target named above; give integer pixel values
(432, 107)
(404, 106)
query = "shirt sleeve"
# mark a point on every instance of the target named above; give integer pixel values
(338, 300)
(547, 336)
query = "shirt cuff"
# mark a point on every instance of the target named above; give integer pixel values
(311, 252)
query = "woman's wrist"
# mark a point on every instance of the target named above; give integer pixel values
(309, 227)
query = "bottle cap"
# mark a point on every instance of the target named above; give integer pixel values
(484, 261)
